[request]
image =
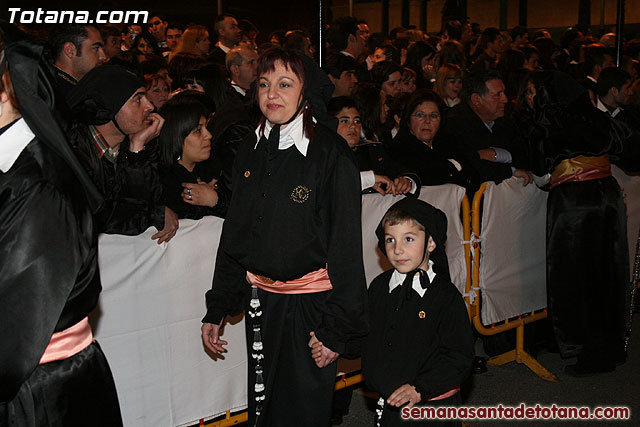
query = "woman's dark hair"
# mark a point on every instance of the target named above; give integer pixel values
(149, 39)
(129, 61)
(154, 64)
(452, 52)
(210, 77)
(369, 105)
(399, 105)
(415, 53)
(181, 64)
(511, 60)
(182, 115)
(338, 103)
(382, 70)
(418, 97)
(292, 61)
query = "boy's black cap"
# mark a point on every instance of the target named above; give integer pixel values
(435, 223)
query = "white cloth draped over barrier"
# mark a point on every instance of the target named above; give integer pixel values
(513, 250)
(149, 328)
(447, 198)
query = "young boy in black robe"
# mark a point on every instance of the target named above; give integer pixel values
(420, 345)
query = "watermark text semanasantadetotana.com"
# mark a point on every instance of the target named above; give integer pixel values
(521, 412)
(42, 16)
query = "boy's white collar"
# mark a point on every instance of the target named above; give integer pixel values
(397, 279)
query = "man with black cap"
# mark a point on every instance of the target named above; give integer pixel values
(114, 125)
(420, 344)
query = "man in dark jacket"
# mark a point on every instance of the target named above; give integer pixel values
(477, 131)
(114, 126)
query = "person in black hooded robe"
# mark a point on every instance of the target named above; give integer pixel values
(420, 344)
(49, 277)
(294, 218)
(587, 251)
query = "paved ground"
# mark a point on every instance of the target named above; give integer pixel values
(512, 384)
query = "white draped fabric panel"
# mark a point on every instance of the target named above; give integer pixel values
(149, 327)
(513, 257)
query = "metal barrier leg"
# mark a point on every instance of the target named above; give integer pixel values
(519, 355)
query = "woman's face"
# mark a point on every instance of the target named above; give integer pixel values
(349, 125)
(452, 87)
(378, 55)
(279, 93)
(158, 93)
(197, 145)
(408, 83)
(204, 44)
(145, 47)
(194, 85)
(393, 86)
(425, 121)
(384, 108)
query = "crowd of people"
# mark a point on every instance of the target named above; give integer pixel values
(139, 126)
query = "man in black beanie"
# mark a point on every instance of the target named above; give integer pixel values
(113, 135)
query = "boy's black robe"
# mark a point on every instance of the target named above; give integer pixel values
(423, 341)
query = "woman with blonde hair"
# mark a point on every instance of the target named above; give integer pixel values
(449, 83)
(195, 39)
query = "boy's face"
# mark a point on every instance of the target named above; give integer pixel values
(404, 243)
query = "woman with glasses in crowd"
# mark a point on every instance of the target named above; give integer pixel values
(413, 145)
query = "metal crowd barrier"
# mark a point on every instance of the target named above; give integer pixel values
(519, 355)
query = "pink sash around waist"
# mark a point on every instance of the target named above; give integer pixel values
(446, 394)
(315, 281)
(69, 342)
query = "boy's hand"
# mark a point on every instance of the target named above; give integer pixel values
(322, 355)
(404, 394)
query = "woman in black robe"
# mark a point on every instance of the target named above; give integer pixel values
(49, 278)
(587, 251)
(293, 230)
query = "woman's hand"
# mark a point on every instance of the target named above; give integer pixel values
(322, 355)
(211, 338)
(170, 229)
(381, 179)
(404, 394)
(402, 185)
(200, 194)
(525, 175)
(488, 154)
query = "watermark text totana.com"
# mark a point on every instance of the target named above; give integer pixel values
(43, 16)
